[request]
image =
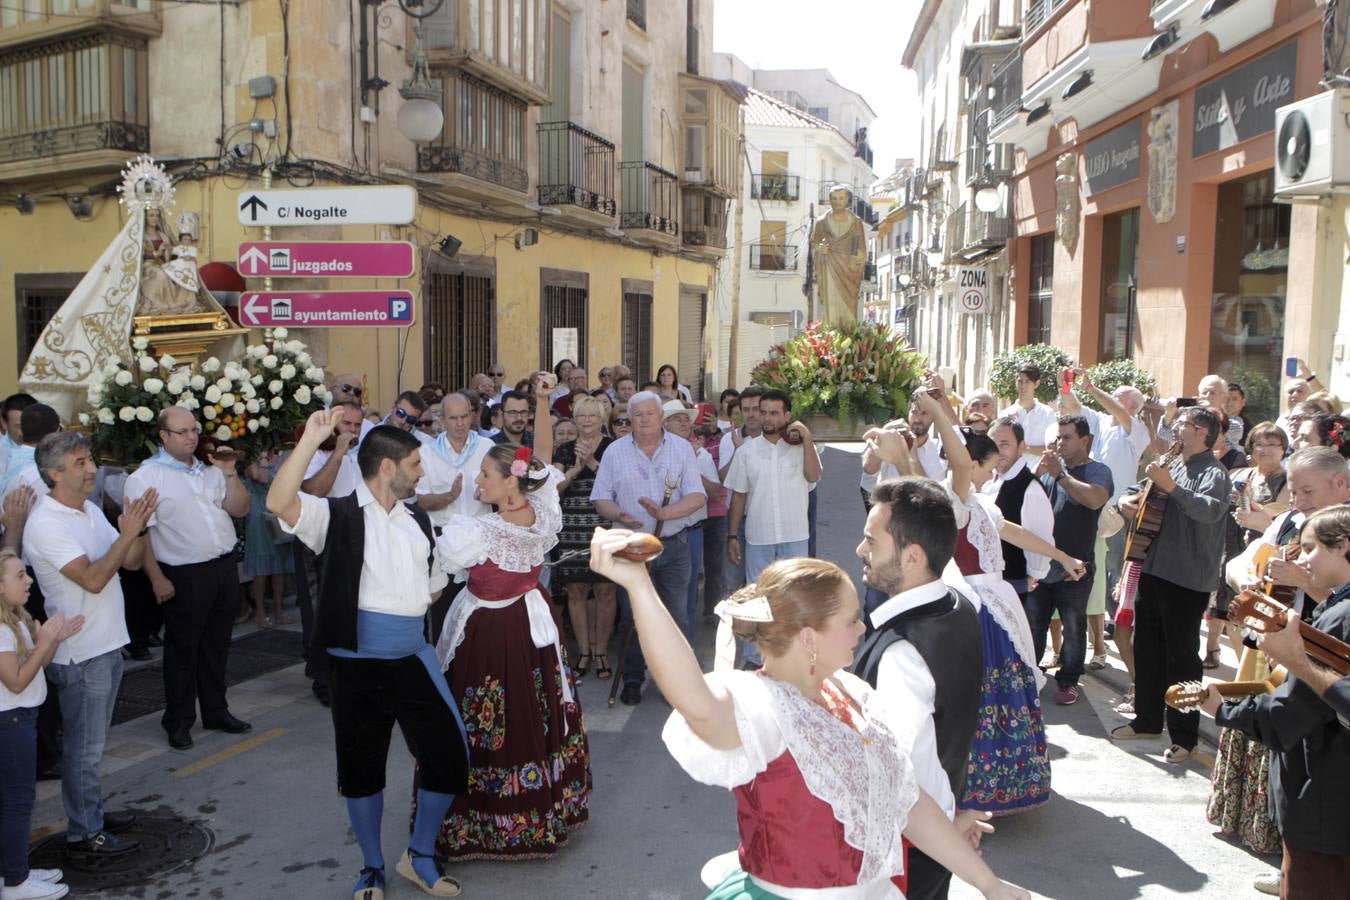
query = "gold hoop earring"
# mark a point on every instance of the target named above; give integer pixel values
(813, 661)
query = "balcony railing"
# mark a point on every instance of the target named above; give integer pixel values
(704, 219)
(940, 156)
(986, 231)
(483, 135)
(773, 257)
(991, 160)
(651, 198)
(1006, 81)
(784, 188)
(1037, 12)
(79, 94)
(863, 210)
(637, 13)
(576, 168)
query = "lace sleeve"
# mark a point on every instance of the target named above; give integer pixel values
(761, 739)
(461, 546)
(547, 505)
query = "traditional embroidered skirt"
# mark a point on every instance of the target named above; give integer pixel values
(1239, 792)
(530, 767)
(1009, 767)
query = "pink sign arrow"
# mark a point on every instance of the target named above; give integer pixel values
(326, 259)
(327, 309)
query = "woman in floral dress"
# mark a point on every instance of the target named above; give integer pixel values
(530, 778)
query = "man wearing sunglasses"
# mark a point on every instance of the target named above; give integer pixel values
(410, 414)
(350, 388)
(497, 372)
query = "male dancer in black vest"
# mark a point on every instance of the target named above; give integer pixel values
(926, 645)
(1028, 508)
(375, 588)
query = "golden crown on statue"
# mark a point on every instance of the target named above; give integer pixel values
(146, 185)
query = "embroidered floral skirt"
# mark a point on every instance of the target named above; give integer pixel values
(1009, 767)
(530, 764)
(1239, 800)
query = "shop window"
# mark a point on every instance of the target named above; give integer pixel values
(38, 298)
(1251, 259)
(1120, 250)
(563, 313)
(1040, 294)
(637, 334)
(461, 317)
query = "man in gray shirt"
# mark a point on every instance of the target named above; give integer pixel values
(1180, 570)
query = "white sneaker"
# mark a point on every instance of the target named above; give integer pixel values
(51, 876)
(34, 889)
(1269, 883)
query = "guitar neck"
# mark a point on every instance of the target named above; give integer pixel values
(1239, 688)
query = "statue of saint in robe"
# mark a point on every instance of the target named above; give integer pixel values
(839, 245)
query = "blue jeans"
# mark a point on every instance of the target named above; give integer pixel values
(670, 576)
(1070, 599)
(88, 693)
(18, 789)
(757, 558)
(695, 568)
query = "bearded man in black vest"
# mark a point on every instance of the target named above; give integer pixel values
(925, 649)
(380, 572)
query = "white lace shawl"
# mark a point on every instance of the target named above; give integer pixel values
(468, 541)
(982, 519)
(865, 776)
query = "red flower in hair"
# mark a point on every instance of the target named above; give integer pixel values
(1335, 435)
(522, 464)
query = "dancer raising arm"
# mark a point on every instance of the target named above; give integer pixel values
(806, 725)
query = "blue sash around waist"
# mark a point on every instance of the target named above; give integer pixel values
(386, 636)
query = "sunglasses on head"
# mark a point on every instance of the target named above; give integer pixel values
(350, 389)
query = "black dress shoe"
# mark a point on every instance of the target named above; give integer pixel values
(102, 844)
(322, 694)
(154, 640)
(118, 821)
(631, 695)
(229, 724)
(180, 739)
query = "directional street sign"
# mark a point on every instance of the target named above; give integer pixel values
(372, 205)
(326, 259)
(327, 309)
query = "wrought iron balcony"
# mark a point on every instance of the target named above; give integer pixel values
(1006, 82)
(941, 157)
(1037, 12)
(704, 219)
(784, 188)
(483, 136)
(863, 210)
(651, 198)
(989, 160)
(773, 257)
(972, 234)
(576, 168)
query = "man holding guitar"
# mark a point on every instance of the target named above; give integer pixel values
(1179, 572)
(1317, 479)
(1310, 765)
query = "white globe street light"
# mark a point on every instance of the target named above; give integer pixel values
(989, 199)
(420, 118)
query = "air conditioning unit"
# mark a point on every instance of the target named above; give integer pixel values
(1312, 145)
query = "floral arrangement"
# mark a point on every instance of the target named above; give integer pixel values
(253, 405)
(860, 371)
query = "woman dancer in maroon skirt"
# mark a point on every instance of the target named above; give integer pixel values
(529, 776)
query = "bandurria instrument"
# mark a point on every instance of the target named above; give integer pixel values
(1263, 614)
(1281, 593)
(1190, 694)
(1152, 506)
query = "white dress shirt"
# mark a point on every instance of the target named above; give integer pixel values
(190, 525)
(906, 680)
(441, 464)
(726, 450)
(708, 470)
(394, 577)
(1038, 516)
(55, 536)
(772, 476)
(929, 457)
(348, 474)
(1037, 423)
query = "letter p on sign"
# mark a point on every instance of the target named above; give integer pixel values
(400, 309)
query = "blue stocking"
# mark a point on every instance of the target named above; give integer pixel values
(365, 814)
(431, 810)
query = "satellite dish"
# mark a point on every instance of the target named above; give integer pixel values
(1293, 146)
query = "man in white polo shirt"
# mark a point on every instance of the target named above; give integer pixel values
(333, 471)
(770, 479)
(192, 572)
(450, 464)
(76, 554)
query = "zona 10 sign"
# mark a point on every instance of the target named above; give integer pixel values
(973, 290)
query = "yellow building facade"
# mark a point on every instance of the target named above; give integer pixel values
(577, 198)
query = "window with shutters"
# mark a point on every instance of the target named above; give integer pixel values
(461, 326)
(693, 320)
(38, 297)
(564, 306)
(1041, 289)
(637, 333)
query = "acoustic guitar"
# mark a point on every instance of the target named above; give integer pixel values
(1190, 694)
(1282, 593)
(1263, 614)
(1147, 523)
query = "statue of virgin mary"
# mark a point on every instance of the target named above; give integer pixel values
(141, 273)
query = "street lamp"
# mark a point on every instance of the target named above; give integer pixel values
(988, 198)
(419, 118)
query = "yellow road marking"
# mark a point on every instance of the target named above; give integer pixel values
(207, 762)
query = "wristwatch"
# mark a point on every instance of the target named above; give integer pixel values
(733, 537)
(1061, 476)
